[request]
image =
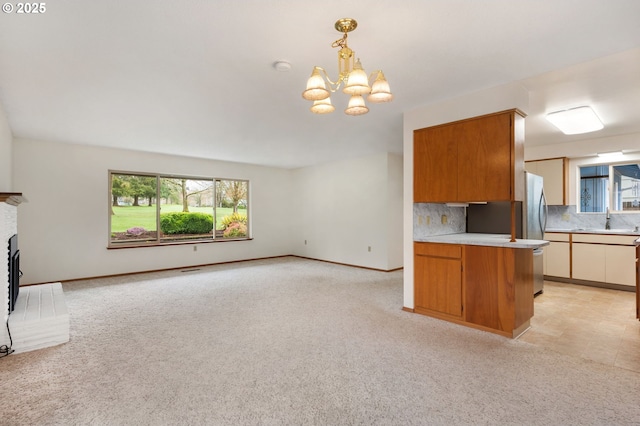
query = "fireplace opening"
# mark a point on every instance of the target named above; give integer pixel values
(14, 272)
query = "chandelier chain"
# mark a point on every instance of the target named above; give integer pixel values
(341, 42)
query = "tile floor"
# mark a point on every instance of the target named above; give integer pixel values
(594, 323)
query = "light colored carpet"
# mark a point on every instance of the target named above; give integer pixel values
(290, 341)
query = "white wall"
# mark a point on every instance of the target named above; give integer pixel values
(584, 152)
(395, 198)
(63, 227)
(345, 207)
(340, 209)
(487, 101)
(587, 147)
(6, 143)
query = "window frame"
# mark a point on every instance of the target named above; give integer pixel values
(611, 195)
(111, 244)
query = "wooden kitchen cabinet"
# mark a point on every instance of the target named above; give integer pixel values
(485, 287)
(555, 174)
(477, 159)
(435, 171)
(438, 278)
(498, 287)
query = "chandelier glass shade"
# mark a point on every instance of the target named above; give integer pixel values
(316, 87)
(351, 76)
(323, 106)
(356, 106)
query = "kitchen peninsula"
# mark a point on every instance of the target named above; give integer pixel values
(484, 281)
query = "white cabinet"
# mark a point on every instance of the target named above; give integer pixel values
(589, 262)
(557, 255)
(556, 178)
(606, 258)
(558, 260)
(620, 265)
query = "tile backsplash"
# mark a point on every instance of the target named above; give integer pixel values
(566, 217)
(428, 220)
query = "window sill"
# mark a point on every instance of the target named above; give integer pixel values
(172, 243)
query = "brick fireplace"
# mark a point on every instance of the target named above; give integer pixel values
(8, 228)
(39, 316)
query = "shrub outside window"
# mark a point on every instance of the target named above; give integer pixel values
(152, 209)
(616, 187)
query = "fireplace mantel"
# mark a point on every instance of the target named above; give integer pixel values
(13, 198)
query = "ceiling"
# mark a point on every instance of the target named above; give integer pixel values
(196, 78)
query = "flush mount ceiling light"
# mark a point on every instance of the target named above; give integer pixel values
(351, 75)
(575, 120)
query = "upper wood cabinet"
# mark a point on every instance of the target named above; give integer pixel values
(555, 172)
(477, 159)
(435, 157)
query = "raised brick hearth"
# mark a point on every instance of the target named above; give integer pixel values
(40, 318)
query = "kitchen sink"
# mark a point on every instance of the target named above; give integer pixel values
(604, 231)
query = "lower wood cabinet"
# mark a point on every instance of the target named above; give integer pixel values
(498, 287)
(485, 287)
(438, 267)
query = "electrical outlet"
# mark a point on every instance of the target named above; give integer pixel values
(566, 217)
(195, 248)
(428, 220)
(369, 248)
(305, 242)
(444, 219)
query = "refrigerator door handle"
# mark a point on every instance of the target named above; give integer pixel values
(544, 213)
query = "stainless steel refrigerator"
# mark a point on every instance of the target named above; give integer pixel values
(531, 221)
(534, 222)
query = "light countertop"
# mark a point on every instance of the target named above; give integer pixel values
(474, 239)
(614, 231)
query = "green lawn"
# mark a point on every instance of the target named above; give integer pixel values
(126, 217)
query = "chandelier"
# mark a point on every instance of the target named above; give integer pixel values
(351, 75)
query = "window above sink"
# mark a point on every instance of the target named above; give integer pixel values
(612, 186)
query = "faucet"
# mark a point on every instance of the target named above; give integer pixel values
(607, 224)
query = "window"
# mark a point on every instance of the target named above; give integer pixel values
(616, 187)
(151, 209)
